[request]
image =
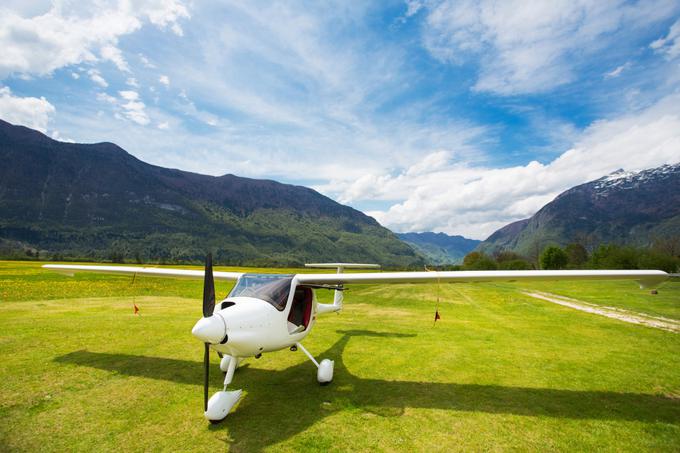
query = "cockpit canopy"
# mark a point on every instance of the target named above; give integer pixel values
(272, 288)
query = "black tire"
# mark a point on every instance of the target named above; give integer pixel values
(217, 422)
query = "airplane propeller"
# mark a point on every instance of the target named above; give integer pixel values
(208, 288)
(208, 308)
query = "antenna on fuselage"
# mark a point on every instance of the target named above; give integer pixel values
(338, 295)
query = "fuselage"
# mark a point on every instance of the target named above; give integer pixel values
(262, 313)
(254, 326)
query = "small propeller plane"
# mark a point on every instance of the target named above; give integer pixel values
(271, 312)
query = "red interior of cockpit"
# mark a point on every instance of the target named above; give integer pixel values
(301, 308)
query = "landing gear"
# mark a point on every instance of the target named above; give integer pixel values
(224, 363)
(222, 402)
(324, 372)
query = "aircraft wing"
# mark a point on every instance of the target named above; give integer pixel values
(71, 269)
(646, 278)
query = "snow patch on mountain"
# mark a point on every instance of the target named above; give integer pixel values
(622, 180)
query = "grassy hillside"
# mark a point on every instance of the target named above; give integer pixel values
(500, 371)
(97, 202)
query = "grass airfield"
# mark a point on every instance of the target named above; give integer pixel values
(499, 371)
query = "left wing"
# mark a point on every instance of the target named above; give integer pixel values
(70, 269)
(646, 278)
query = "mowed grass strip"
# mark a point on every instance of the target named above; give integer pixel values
(499, 371)
(617, 294)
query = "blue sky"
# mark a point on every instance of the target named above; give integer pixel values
(429, 115)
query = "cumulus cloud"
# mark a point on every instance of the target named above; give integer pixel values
(527, 47)
(83, 32)
(670, 44)
(132, 108)
(165, 80)
(27, 111)
(442, 194)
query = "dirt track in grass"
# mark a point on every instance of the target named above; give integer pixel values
(632, 317)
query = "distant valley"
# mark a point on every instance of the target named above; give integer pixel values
(440, 248)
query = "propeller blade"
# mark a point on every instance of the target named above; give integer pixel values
(206, 375)
(208, 288)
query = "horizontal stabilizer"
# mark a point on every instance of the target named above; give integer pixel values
(342, 266)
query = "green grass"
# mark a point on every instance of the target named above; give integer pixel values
(500, 371)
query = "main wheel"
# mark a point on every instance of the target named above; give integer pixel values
(325, 372)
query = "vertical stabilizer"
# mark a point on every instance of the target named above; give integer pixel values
(338, 294)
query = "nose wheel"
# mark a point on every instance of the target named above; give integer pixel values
(222, 402)
(224, 362)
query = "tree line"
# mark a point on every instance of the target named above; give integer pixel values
(663, 255)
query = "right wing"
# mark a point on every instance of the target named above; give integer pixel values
(646, 278)
(70, 269)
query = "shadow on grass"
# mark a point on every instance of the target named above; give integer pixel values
(282, 403)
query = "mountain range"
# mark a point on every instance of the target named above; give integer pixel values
(627, 208)
(97, 201)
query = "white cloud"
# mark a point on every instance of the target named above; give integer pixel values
(29, 111)
(75, 75)
(670, 45)
(129, 95)
(190, 109)
(97, 78)
(165, 80)
(617, 71)
(104, 97)
(167, 13)
(131, 81)
(145, 61)
(133, 109)
(440, 194)
(62, 36)
(527, 47)
(413, 6)
(164, 126)
(113, 54)
(57, 136)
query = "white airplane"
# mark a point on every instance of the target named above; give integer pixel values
(270, 312)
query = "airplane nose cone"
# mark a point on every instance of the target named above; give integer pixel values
(210, 330)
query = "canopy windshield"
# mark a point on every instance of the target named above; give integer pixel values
(272, 288)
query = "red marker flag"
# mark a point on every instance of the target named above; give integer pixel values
(136, 308)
